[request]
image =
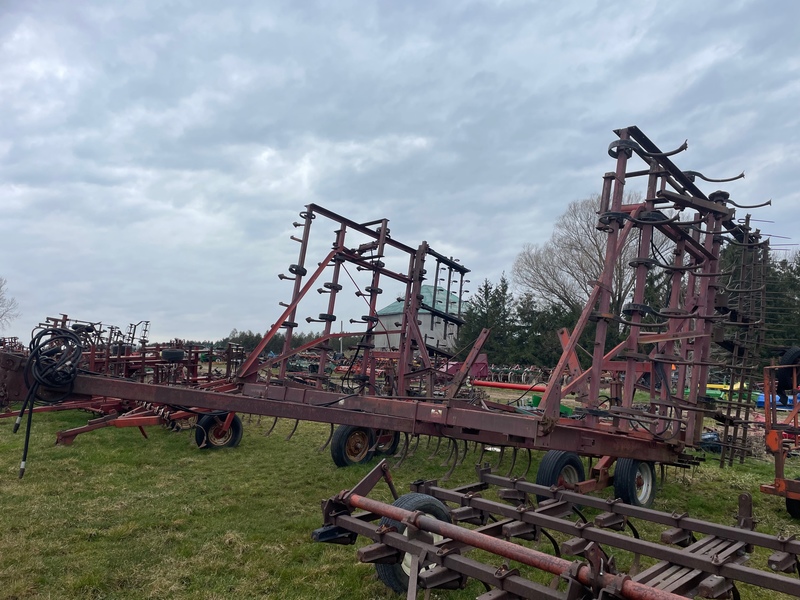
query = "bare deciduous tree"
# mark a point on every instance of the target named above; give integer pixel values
(8, 306)
(563, 269)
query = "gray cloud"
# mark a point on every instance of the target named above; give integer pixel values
(154, 155)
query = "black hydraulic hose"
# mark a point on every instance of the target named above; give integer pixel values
(52, 364)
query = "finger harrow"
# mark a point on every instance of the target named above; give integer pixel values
(425, 540)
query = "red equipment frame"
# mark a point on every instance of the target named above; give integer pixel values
(679, 334)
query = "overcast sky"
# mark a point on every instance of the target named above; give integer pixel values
(153, 155)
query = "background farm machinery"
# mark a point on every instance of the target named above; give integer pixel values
(640, 401)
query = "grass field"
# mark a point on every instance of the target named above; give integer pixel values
(119, 516)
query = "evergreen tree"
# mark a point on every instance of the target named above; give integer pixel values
(491, 306)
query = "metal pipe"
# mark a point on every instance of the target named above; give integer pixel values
(510, 386)
(545, 562)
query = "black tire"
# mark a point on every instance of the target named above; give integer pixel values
(208, 433)
(352, 445)
(389, 446)
(173, 355)
(396, 576)
(784, 376)
(793, 507)
(635, 482)
(559, 467)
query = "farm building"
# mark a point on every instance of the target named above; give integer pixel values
(436, 312)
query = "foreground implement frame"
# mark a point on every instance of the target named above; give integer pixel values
(687, 566)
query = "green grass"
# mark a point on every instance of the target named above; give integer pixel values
(119, 516)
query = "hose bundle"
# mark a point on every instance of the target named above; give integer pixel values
(52, 365)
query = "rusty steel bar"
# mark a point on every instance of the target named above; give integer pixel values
(509, 386)
(545, 562)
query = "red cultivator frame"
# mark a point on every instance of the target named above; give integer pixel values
(398, 384)
(672, 342)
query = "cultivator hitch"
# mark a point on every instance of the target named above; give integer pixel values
(422, 541)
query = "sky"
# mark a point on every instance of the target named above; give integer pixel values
(153, 155)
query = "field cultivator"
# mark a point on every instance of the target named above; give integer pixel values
(640, 400)
(421, 543)
(398, 381)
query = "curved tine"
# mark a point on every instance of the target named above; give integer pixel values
(483, 451)
(513, 461)
(328, 441)
(767, 203)
(272, 427)
(464, 456)
(453, 445)
(553, 541)
(455, 463)
(704, 178)
(528, 468)
(475, 447)
(404, 453)
(557, 551)
(428, 443)
(294, 429)
(435, 450)
(499, 462)
(374, 446)
(634, 569)
(416, 445)
(258, 422)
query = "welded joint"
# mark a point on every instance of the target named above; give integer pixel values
(384, 529)
(504, 571)
(575, 589)
(614, 589)
(600, 564)
(422, 486)
(335, 507)
(411, 521)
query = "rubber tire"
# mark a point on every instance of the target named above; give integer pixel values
(394, 576)
(173, 355)
(626, 473)
(206, 438)
(793, 507)
(553, 466)
(339, 444)
(784, 376)
(390, 448)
